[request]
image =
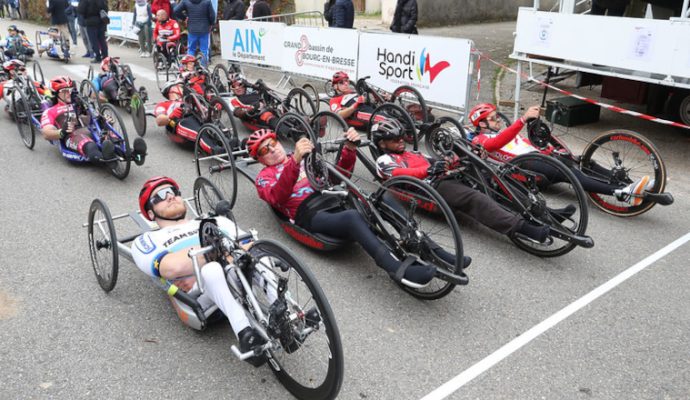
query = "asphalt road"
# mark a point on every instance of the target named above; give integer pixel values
(62, 337)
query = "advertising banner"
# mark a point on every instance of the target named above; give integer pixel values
(320, 52)
(438, 67)
(252, 42)
(121, 25)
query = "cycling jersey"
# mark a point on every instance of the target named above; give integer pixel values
(406, 163)
(169, 30)
(166, 107)
(247, 101)
(360, 118)
(507, 144)
(285, 186)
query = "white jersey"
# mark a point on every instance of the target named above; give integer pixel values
(149, 248)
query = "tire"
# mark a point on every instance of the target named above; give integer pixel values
(22, 115)
(411, 101)
(206, 195)
(38, 73)
(328, 127)
(222, 117)
(314, 368)
(638, 157)
(679, 106)
(314, 94)
(163, 72)
(138, 114)
(547, 197)
(103, 245)
(89, 92)
(221, 78)
(328, 88)
(219, 168)
(89, 74)
(419, 223)
(292, 126)
(299, 101)
(121, 141)
(390, 110)
(444, 134)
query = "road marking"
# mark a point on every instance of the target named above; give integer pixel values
(143, 72)
(78, 70)
(497, 356)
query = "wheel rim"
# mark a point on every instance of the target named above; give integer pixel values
(118, 135)
(22, 114)
(328, 129)
(102, 246)
(214, 160)
(206, 195)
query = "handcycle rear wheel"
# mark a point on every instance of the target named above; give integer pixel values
(222, 116)
(221, 78)
(425, 227)
(546, 200)
(88, 91)
(299, 101)
(22, 116)
(214, 160)
(103, 245)
(206, 195)
(118, 135)
(313, 94)
(411, 101)
(622, 157)
(309, 366)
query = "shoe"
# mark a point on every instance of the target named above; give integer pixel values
(563, 213)
(108, 150)
(249, 341)
(139, 151)
(538, 233)
(87, 55)
(631, 194)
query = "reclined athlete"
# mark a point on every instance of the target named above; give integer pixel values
(348, 104)
(106, 81)
(283, 184)
(503, 145)
(463, 200)
(163, 254)
(249, 108)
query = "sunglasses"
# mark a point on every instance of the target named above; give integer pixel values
(495, 118)
(162, 194)
(272, 143)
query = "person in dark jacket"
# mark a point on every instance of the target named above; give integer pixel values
(82, 30)
(233, 10)
(328, 12)
(258, 9)
(200, 20)
(96, 26)
(58, 17)
(405, 17)
(612, 8)
(343, 14)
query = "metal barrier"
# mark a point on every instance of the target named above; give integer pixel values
(307, 18)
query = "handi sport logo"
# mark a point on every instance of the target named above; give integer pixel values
(425, 66)
(403, 66)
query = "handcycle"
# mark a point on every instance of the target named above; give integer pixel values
(617, 157)
(24, 99)
(22, 52)
(166, 63)
(128, 95)
(59, 48)
(303, 345)
(392, 210)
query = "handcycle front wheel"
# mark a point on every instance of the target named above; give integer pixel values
(299, 101)
(621, 157)
(117, 133)
(22, 116)
(222, 117)
(443, 135)
(309, 360)
(221, 78)
(214, 160)
(38, 73)
(103, 245)
(552, 196)
(206, 195)
(411, 101)
(88, 91)
(425, 227)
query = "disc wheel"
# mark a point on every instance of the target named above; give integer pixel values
(393, 111)
(621, 157)
(308, 354)
(89, 92)
(299, 101)
(38, 73)
(411, 101)
(103, 245)
(22, 116)
(138, 114)
(222, 117)
(214, 160)
(443, 136)
(206, 195)
(117, 133)
(425, 227)
(546, 201)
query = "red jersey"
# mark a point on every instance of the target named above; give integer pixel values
(339, 102)
(169, 30)
(166, 107)
(405, 164)
(507, 144)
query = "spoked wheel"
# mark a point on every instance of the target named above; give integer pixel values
(553, 197)
(38, 73)
(117, 133)
(222, 117)
(299, 101)
(221, 78)
(444, 134)
(138, 114)
(328, 129)
(214, 160)
(393, 111)
(206, 195)
(22, 116)
(411, 101)
(328, 88)
(313, 93)
(308, 354)
(622, 157)
(89, 92)
(293, 127)
(425, 227)
(103, 245)
(164, 71)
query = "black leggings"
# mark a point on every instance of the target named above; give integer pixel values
(589, 184)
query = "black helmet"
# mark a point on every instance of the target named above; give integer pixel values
(12, 28)
(389, 128)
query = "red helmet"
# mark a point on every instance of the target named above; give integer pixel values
(340, 76)
(187, 59)
(480, 112)
(61, 82)
(12, 65)
(148, 188)
(258, 137)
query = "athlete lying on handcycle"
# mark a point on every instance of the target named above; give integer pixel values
(54, 45)
(10, 70)
(249, 106)
(16, 44)
(348, 103)
(283, 184)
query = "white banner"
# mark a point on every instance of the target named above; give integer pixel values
(252, 42)
(121, 25)
(438, 67)
(320, 52)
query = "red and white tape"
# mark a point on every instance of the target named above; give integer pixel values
(588, 100)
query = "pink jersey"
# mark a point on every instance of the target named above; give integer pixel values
(55, 115)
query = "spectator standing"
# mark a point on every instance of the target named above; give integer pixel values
(161, 5)
(14, 9)
(71, 14)
(142, 21)
(612, 8)
(82, 29)
(258, 9)
(343, 14)
(405, 17)
(3, 4)
(233, 10)
(328, 12)
(58, 17)
(94, 12)
(200, 20)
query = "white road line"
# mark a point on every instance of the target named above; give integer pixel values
(77, 70)
(142, 72)
(497, 356)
